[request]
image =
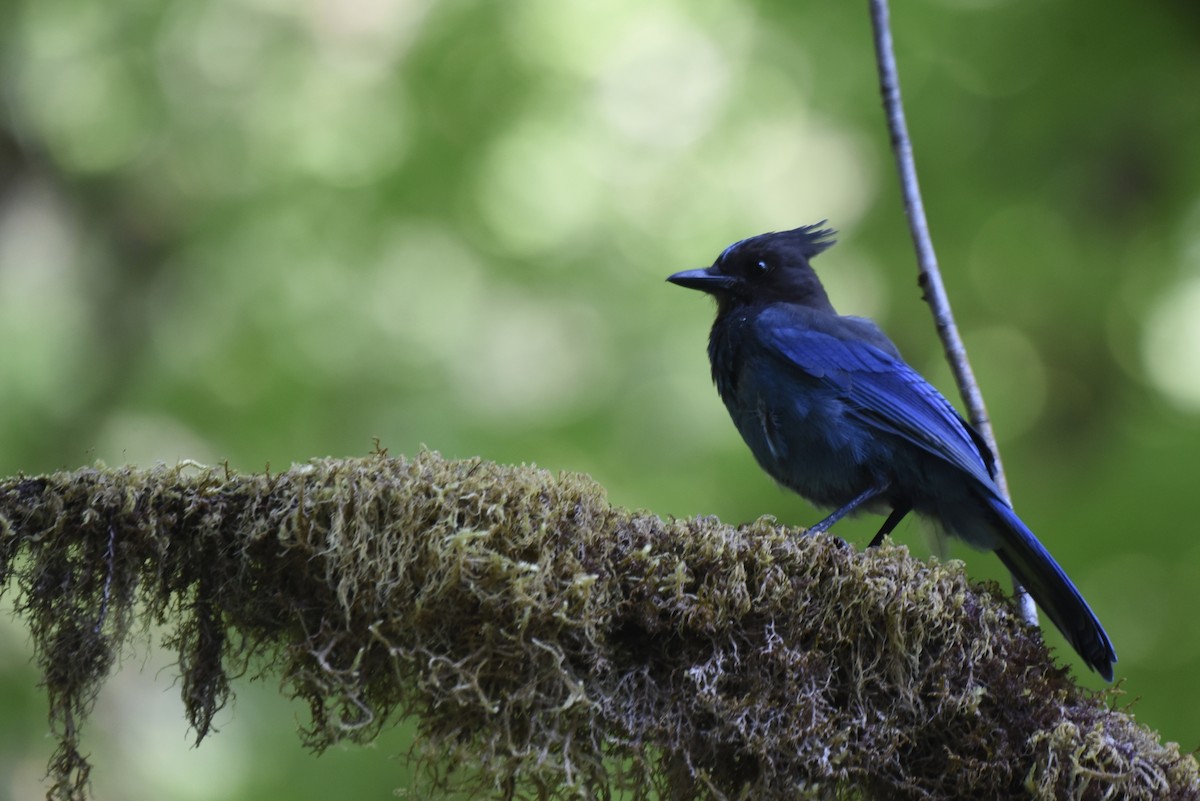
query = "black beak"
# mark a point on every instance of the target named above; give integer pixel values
(705, 279)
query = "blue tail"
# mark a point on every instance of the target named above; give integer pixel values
(1035, 569)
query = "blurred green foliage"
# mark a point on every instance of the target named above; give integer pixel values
(260, 231)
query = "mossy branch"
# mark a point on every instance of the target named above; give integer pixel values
(550, 645)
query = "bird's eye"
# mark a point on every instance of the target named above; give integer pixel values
(762, 268)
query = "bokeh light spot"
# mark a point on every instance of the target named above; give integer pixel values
(533, 361)
(1171, 345)
(1012, 373)
(663, 85)
(541, 185)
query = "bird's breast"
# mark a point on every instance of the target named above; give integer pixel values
(800, 433)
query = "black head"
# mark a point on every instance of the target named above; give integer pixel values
(768, 268)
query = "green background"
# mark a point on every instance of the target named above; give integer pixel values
(266, 230)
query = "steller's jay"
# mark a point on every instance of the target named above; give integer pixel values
(831, 411)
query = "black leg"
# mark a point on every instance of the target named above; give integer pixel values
(892, 521)
(862, 498)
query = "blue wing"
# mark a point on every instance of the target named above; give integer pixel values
(853, 357)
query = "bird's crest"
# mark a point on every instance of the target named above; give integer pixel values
(806, 241)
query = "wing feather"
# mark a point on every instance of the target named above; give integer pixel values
(881, 390)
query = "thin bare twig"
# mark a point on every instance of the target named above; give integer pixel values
(930, 275)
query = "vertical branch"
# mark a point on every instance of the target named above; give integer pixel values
(930, 275)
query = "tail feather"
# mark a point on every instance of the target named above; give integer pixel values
(1035, 569)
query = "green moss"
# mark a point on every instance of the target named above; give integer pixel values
(550, 645)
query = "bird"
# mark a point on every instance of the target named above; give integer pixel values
(831, 411)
